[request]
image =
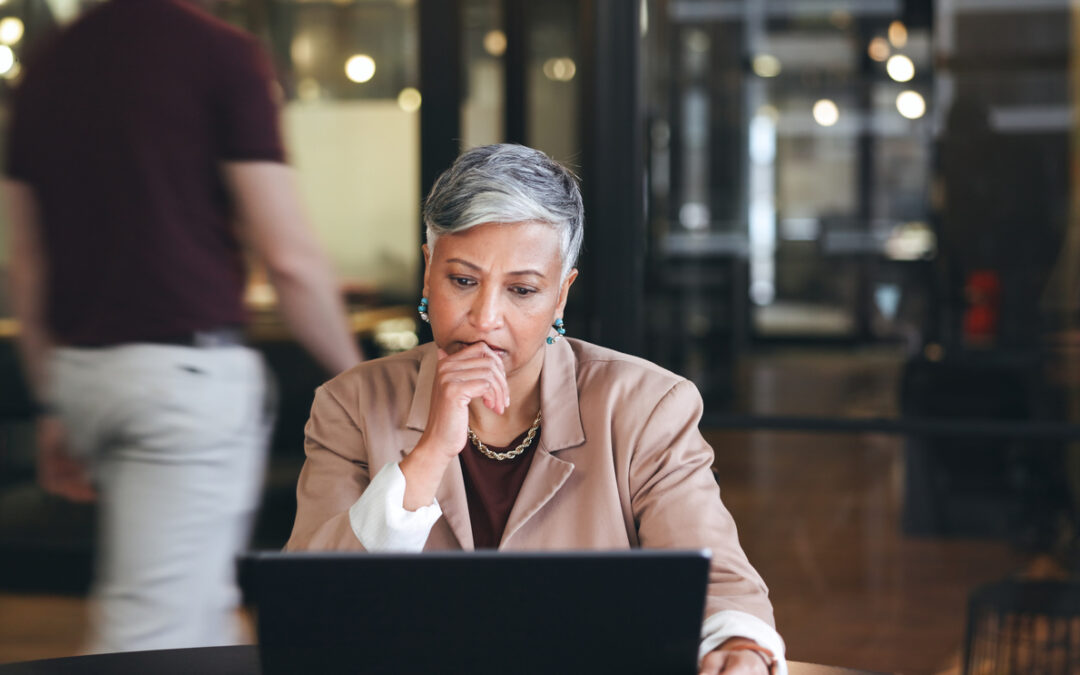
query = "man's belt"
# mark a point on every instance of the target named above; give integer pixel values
(227, 336)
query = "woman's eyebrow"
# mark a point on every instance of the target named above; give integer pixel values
(516, 273)
(535, 273)
(466, 263)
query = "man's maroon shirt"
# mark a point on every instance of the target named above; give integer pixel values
(120, 126)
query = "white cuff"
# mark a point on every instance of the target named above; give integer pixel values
(381, 522)
(730, 623)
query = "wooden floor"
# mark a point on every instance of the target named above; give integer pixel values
(40, 626)
(818, 515)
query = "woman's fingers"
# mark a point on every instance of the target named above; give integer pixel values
(475, 372)
(494, 385)
(480, 358)
(461, 392)
(500, 389)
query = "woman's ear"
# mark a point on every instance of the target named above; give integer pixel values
(427, 268)
(563, 293)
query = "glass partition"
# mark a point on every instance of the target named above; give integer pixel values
(892, 175)
(350, 73)
(863, 224)
(484, 46)
(552, 84)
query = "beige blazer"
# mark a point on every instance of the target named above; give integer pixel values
(620, 464)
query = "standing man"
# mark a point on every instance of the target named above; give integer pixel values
(144, 149)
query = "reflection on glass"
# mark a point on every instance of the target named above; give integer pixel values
(911, 104)
(308, 89)
(911, 241)
(11, 30)
(7, 59)
(349, 70)
(552, 112)
(805, 175)
(694, 216)
(495, 42)
(762, 209)
(878, 49)
(483, 47)
(360, 68)
(898, 35)
(560, 70)
(766, 65)
(900, 68)
(409, 99)
(826, 113)
(303, 51)
(841, 19)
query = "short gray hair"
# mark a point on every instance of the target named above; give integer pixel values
(507, 183)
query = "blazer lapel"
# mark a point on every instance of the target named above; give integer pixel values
(451, 492)
(559, 399)
(546, 476)
(562, 428)
(455, 505)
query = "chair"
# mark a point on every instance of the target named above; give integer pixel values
(1028, 627)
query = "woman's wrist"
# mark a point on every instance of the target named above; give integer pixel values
(437, 449)
(423, 469)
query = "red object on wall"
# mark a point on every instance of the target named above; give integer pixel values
(983, 294)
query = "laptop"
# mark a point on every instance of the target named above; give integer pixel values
(636, 611)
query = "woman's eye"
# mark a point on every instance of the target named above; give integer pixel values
(518, 290)
(462, 281)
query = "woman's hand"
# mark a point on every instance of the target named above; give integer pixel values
(475, 372)
(725, 661)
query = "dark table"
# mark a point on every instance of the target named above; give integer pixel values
(242, 660)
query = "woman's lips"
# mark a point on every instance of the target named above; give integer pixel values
(498, 350)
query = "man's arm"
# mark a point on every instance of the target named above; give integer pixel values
(269, 208)
(27, 277)
(58, 472)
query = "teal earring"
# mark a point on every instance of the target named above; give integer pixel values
(559, 329)
(423, 309)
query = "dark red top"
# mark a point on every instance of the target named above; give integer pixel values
(120, 125)
(492, 488)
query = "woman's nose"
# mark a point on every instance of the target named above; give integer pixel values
(486, 311)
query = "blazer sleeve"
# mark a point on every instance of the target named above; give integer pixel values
(676, 502)
(335, 474)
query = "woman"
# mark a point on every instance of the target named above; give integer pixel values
(502, 435)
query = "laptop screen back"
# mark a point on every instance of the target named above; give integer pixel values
(637, 611)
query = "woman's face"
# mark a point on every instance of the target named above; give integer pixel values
(499, 284)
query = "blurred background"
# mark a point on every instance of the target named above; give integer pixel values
(852, 223)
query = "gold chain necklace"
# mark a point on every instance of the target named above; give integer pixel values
(509, 454)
